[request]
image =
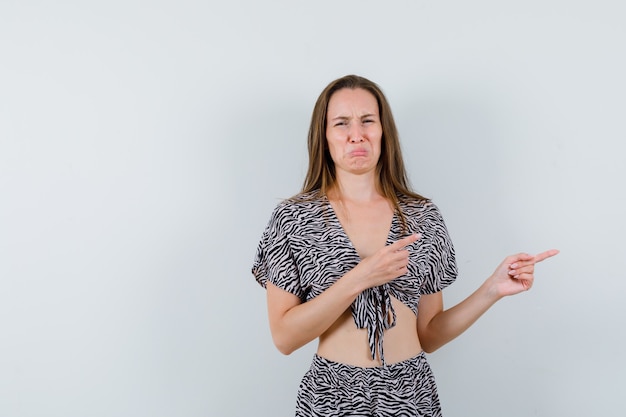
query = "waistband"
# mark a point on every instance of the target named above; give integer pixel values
(322, 364)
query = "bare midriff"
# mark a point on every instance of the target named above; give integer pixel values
(343, 342)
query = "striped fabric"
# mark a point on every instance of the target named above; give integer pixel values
(304, 250)
(404, 389)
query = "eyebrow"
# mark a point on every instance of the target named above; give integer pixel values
(361, 117)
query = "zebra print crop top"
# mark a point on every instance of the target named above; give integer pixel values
(304, 250)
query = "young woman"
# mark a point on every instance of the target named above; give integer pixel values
(358, 260)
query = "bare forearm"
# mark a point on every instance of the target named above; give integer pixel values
(305, 322)
(449, 324)
(514, 275)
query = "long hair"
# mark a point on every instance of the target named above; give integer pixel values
(391, 174)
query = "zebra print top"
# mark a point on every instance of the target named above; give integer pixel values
(304, 250)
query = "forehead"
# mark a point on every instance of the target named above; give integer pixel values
(352, 100)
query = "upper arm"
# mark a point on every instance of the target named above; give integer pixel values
(279, 302)
(429, 306)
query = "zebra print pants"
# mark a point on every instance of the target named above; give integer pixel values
(331, 389)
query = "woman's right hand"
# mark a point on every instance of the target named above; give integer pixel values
(386, 264)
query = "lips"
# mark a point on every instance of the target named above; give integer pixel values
(358, 152)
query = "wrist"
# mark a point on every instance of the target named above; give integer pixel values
(490, 291)
(354, 284)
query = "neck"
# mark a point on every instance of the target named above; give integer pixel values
(355, 188)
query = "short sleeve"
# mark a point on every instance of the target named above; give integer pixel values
(441, 269)
(274, 260)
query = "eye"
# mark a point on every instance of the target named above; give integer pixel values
(340, 123)
(366, 121)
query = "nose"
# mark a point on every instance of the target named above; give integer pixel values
(356, 135)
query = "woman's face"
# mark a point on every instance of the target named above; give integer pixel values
(353, 130)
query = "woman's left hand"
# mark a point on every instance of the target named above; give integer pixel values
(517, 272)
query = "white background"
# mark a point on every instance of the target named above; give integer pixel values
(143, 145)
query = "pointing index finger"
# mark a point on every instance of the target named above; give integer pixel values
(405, 241)
(545, 255)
